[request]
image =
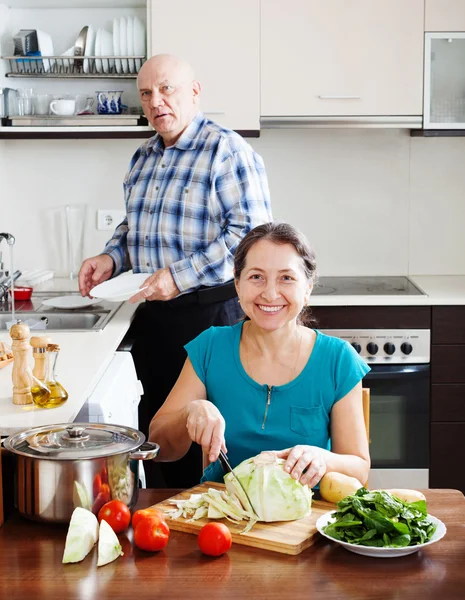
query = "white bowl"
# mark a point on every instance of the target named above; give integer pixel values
(120, 288)
(381, 552)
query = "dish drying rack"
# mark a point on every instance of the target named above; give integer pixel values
(90, 67)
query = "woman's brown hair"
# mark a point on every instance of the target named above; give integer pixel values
(279, 232)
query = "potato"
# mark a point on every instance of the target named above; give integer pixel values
(336, 486)
(407, 495)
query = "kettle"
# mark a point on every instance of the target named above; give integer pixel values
(8, 102)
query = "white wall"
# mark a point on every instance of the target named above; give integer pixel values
(370, 201)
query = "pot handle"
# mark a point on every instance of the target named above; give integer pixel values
(147, 451)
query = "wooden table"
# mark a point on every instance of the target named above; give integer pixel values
(31, 553)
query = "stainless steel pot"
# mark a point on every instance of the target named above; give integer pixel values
(60, 467)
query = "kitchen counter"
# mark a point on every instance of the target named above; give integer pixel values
(439, 290)
(31, 553)
(84, 356)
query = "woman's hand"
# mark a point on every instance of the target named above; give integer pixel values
(306, 464)
(206, 426)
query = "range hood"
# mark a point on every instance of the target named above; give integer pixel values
(361, 122)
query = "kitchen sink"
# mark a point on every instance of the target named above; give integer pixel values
(92, 318)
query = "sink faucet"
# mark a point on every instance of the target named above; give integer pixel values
(5, 281)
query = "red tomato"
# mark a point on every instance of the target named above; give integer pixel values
(143, 513)
(151, 534)
(97, 484)
(116, 514)
(214, 539)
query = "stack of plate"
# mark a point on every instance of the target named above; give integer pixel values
(128, 40)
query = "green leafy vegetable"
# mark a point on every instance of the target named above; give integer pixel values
(380, 519)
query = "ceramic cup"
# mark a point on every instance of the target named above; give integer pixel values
(109, 103)
(63, 107)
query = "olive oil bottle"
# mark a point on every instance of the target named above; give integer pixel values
(58, 394)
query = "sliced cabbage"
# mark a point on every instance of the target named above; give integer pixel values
(109, 547)
(82, 535)
(273, 493)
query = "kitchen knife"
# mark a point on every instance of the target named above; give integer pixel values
(228, 469)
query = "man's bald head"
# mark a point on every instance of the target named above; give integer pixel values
(169, 95)
(169, 64)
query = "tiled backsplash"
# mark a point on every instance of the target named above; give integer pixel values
(370, 201)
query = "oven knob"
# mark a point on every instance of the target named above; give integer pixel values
(389, 348)
(356, 346)
(372, 348)
(406, 348)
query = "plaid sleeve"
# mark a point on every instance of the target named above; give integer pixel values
(240, 191)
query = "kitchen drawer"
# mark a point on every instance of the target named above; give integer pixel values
(448, 402)
(372, 317)
(448, 325)
(447, 456)
(448, 364)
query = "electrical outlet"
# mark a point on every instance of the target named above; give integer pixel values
(109, 218)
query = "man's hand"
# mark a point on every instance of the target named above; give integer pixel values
(161, 286)
(93, 271)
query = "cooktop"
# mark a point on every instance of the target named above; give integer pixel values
(367, 286)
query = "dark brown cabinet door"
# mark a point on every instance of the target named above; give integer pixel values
(448, 325)
(447, 456)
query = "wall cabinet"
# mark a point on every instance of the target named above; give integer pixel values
(358, 58)
(444, 15)
(448, 397)
(221, 41)
(444, 99)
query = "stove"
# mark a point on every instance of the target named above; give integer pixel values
(366, 286)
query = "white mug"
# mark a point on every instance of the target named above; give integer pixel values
(63, 107)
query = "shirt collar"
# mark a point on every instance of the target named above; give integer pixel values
(188, 139)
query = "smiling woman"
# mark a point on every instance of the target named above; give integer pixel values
(271, 382)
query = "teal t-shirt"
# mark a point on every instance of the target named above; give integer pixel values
(299, 412)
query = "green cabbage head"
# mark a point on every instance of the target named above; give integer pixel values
(273, 493)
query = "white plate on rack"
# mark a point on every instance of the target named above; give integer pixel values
(46, 48)
(70, 302)
(116, 45)
(106, 49)
(120, 288)
(89, 49)
(139, 41)
(381, 552)
(98, 63)
(123, 40)
(130, 40)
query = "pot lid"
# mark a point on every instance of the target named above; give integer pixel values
(75, 441)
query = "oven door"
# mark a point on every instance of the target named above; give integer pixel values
(399, 425)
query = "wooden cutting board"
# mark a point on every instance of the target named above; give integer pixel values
(287, 537)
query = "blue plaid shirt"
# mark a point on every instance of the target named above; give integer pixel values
(189, 205)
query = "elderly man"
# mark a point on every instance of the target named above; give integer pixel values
(192, 192)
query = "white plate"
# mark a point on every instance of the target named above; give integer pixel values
(139, 41)
(116, 45)
(106, 49)
(123, 41)
(381, 552)
(46, 48)
(68, 302)
(97, 51)
(130, 39)
(120, 288)
(89, 49)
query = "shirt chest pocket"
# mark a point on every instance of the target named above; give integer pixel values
(307, 420)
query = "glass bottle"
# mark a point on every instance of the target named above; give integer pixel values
(58, 394)
(40, 392)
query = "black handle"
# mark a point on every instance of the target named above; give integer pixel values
(393, 371)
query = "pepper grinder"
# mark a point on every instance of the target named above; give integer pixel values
(39, 349)
(22, 374)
